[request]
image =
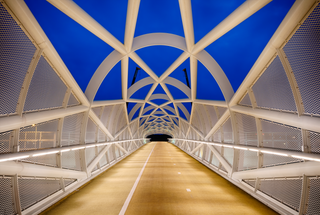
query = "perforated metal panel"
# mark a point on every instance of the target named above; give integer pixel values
(314, 142)
(313, 206)
(287, 191)
(279, 136)
(227, 132)
(217, 136)
(32, 191)
(103, 161)
(5, 139)
(275, 160)
(73, 100)
(228, 154)
(39, 136)
(247, 160)
(221, 110)
(106, 114)
(91, 131)
(95, 168)
(46, 89)
(223, 169)
(68, 182)
(246, 101)
(303, 53)
(212, 114)
(71, 129)
(272, 90)
(251, 182)
(6, 196)
(247, 129)
(90, 155)
(71, 160)
(16, 54)
(215, 161)
(47, 160)
(96, 110)
(101, 136)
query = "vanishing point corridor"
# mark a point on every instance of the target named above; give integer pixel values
(171, 183)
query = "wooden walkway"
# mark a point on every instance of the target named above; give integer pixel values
(171, 183)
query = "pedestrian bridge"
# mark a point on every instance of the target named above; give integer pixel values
(245, 142)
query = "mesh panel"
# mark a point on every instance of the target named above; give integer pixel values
(73, 100)
(314, 142)
(90, 155)
(303, 52)
(101, 136)
(221, 110)
(68, 182)
(223, 169)
(227, 132)
(95, 168)
(214, 161)
(96, 110)
(247, 160)
(279, 136)
(46, 89)
(40, 136)
(217, 136)
(247, 130)
(71, 130)
(108, 110)
(91, 131)
(32, 191)
(6, 203)
(275, 160)
(71, 160)
(110, 154)
(103, 161)
(251, 182)
(287, 191)
(228, 154)
(212, 113)
(5, 139)
(272, 90)
(246, 100)
(314, 196)
(47, 160)
(16, 54)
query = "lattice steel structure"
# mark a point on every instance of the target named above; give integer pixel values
(264, 138)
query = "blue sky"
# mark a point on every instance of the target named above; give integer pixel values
(235, 52)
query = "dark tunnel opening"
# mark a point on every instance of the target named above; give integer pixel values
(159, 137)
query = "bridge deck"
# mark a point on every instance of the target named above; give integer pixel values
(162, 188)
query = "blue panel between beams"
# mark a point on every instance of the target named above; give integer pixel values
(208, 14)
(159, 58)
(159, 90)
(159, 16)
(131, 70)
(142, 92)
(66, 35)
(188, 106)
(148, 112)
(110, 14)
(207, 87)
(159, 101)
(111, 86)
(182, 114)
(130, 106)
(179, 74)
(242, 45)
(176, 93)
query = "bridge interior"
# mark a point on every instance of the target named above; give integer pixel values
(74, 123)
